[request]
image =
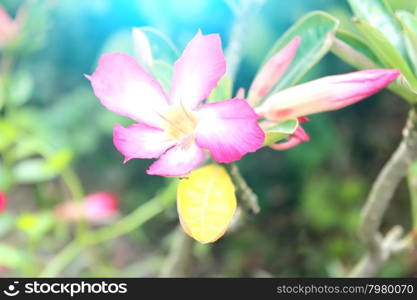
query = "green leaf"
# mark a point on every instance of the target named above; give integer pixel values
(33, 170)
(8, 133)
(354, 51)
(222, 91)
(7, 222)
(6, 178)
(409, 24)
(25, 147)
(60, 160)
(21, 88)
(12, 257)
(162, 46)
(317, 31)
(379, 15)
(385, 51)
(3, 88)
(142, 47)
(35, 226)
(163, 73)
(280, 131)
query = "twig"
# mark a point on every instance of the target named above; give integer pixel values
(244, 193)
(379, 198)
(372, 261)
(176, 263)
(412, 187)
(76, 188)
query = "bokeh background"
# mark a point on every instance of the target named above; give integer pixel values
(310, 196)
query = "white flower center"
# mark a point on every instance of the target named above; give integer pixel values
(179, 124)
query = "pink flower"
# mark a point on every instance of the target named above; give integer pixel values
(175, 128)
(324, 94)
(95, 207)
(9, 28)
(2, 201)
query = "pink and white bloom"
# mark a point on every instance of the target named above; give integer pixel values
(2, 201)
(9, 28)
(95, 207)
(176, 128)
(324, 94)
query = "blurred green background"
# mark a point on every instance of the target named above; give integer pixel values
(310, 196)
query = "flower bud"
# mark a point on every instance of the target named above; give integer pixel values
(272, 71)
(324, 94)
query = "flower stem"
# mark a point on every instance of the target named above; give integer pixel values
(177, 260)
(412, 186)
(244, 193)
(137, 218)
(77, 191)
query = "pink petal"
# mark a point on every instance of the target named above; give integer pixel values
(126, 89)
(324, 94)
(272, 71)
(229, 130)
(140, 141)
(198, 70)
(177, 161)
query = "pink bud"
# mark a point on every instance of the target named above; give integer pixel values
(2, 201)
(9, 28)
(240, 94)
(272, 71)
(324, 94)
(299, 136)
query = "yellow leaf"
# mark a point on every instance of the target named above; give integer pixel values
(206, 203)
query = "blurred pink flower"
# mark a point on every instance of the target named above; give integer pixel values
(324, 94)
(94, 208)
(2, 201)
(9, 28)
(175, 128)
(101, 205)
